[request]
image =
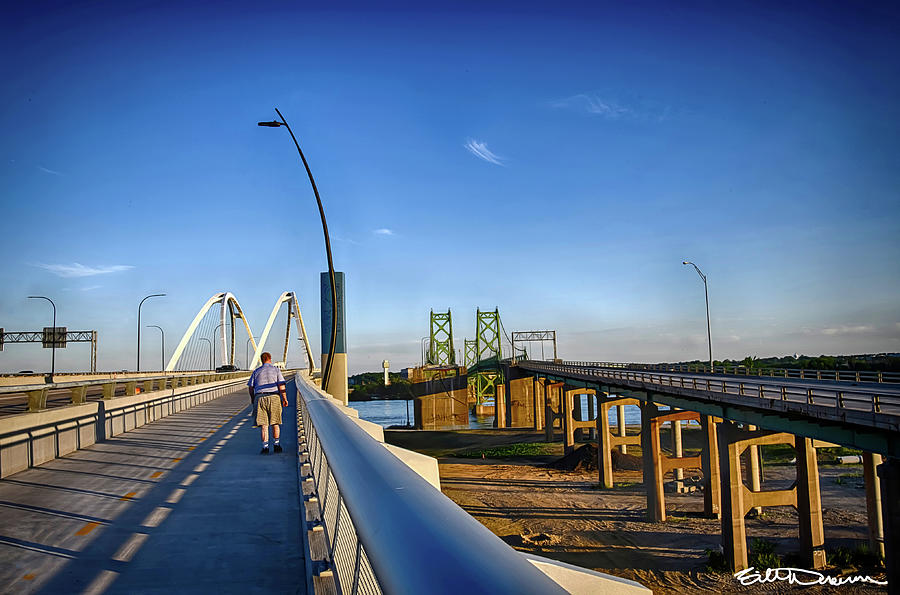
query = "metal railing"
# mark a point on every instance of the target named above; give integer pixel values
(386, 529)
(802, 374)
(836, 397)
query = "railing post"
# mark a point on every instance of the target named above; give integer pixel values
(37, 399)
(78, 394)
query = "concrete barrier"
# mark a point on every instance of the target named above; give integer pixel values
(30, 439)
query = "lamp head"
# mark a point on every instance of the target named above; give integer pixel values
(272, 124)
(685, 262)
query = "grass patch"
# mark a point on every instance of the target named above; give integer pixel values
(762, 555)
(716, 562)
(847, 478)
(518, 449)
(861, 557)
(782, 454)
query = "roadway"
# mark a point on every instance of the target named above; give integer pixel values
(185, 504)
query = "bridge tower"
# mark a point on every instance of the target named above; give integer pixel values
(470, 353)
(487, 348)
(440, 351)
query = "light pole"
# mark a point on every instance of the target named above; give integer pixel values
(53, 334)
(422, 348)
(326, 374)
(139, 327)
(247, 352)
(214, 343)
(708, 331)
(210, 351)
(163, 348)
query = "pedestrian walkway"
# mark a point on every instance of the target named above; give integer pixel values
(185, 504)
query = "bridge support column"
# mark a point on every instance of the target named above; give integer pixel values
(521, 402)
(738, 500)
(871, 461)
(568, 427)
(552, 409)
(500, 406)
(604, 447)
(678, 451)
(606, 441)
(592, 430)
(573, 427)
(754, 471)
(709, 462)
(537, 393)
(620, 422)
(889, 475)
(656, 464)
(809, 504)
(651, 485)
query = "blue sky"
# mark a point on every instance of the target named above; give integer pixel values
(558, 163)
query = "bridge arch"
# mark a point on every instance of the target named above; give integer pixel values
(229, 302)
(290, 298)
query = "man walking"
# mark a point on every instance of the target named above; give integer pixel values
(266, 385)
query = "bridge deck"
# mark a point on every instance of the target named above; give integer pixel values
(185, 504)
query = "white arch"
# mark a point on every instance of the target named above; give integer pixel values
(224, 298)
(293, 312)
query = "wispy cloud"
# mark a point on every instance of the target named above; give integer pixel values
(79, 270)
(480, 150)
(49, 171)
(594, 104)
(611, 109)
(346, 240)
(383, 231)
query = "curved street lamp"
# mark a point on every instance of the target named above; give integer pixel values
(163, 347)
(214, 344)
(210, 351)
(326, 374)
(53, 334)
(708, 332)
(152, 295)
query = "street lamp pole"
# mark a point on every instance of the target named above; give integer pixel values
(422, 349)
(247, 352)
(326, 374)
(163, 346)
(139, 327)
(214, 342)
(53, 334)
(708, 331)
(210, 351)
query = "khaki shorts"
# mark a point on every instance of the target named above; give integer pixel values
(268, 410)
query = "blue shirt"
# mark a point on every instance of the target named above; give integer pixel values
(265, 380)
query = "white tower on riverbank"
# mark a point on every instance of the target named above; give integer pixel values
(386, 365)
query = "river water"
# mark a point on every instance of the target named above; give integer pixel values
(394, 413)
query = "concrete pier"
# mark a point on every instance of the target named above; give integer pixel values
(606, 440)
(889, 476)
(738, 500)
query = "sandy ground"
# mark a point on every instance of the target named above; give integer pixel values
(566, 516)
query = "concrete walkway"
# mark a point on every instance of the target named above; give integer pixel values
(183, 505)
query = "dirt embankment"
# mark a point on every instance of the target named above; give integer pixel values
(552, 506)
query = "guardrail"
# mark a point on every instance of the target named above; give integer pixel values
(802, 374)
(386, 529)
(837, 397)
(37, 393)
